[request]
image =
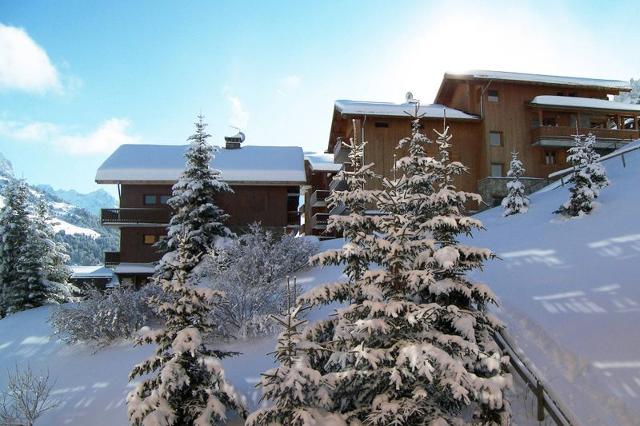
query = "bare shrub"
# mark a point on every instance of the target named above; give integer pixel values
(251, 271)
(27, 397)
(102, 318)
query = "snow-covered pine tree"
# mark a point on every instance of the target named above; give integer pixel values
(188, 387)
(53, 256)
(356, 227)
(195, 214)
(21, 273)
(594, 167)
(294, 388)
(413, 345)
(516, 200)
(589, 177)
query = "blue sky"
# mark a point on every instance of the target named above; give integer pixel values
(79, 78)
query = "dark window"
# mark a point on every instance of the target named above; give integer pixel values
(493, 96)
(164, 199)
(382, 124)
(495, 138)
(496, 169)
(150, 199)
(574, 94)
(548, 121)
(560, 93)
(149, 239)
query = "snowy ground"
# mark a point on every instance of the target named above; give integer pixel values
(570, 294)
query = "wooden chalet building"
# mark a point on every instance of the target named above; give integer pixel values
(266, 182)
(490, 115)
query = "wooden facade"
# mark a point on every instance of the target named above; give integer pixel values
(498, 118)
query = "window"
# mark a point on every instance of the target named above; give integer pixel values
(164, 199)
(549, 157)
(496, 169)
(149, 239)
(382, 124)
(150, 199)
(493, 96)
(495, 138)
(573, 94)
(549, 121)
(560, 94)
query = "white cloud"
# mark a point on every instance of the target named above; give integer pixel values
(103, 140)
(239, 116)
(24, 65)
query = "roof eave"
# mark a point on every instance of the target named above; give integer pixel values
(582, 108)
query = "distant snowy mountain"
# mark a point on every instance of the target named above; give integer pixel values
(76, 224)
(91, 202)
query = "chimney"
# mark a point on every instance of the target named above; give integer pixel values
(233, 142)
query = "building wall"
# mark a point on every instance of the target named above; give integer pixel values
(268, 205)
(514, 119)
(382, 145)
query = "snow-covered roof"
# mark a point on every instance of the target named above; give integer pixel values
(165, 163)
(589, 103)
(541, 78)
(322, 162)
(95, 271)
(390, 109)
(135, 268)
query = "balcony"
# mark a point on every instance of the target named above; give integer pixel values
(337, 184)
(337, 209)
(562, 136)
(111, 258)
(340, 153)
(319, 198)
(143, 217)
(319, 221)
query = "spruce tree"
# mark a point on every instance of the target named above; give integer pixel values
(53, 256)
(294, 388)
(187, 386)
(589, 177)
(21, 272)
(413, 344)
(195, 214)
(516, 200)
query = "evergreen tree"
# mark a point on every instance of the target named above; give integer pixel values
(413, 345)
(293, 387)
(188, 387)
(195, 214)
(516, 200)
(589, 177)
(21, 272)
(53, 256)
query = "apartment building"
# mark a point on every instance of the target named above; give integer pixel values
(490, 114)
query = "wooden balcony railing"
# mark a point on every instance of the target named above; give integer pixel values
(609, 136)
(319, 220)
(319, 198)
(111, 258)
(135, 216)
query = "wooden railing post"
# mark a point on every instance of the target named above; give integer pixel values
(540, 399)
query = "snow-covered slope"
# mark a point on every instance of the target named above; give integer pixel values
(92, 387)
(79, 228)
(91, 202)
(570, 292)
